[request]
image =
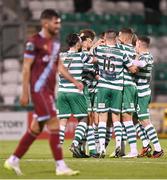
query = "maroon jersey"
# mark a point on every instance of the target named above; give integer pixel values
(45, 53)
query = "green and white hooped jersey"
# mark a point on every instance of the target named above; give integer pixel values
(111, 63)
(143, 77)
(129, 78)
(74, 62)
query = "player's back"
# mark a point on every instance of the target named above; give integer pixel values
(45, 54)
(74, 64)
(143, 77)
(129, 78)
(111, 61)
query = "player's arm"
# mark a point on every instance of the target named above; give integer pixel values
(88, 58)
(143, 62)
(128, 62)
(63, 71)
(26, 72)
(29, 56)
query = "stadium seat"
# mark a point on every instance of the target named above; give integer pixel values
(18, 90)
(160, 88)
(65, 6)
(50, 4)
(9, 90)
(137, 7)
(163, 7)
(160, 75)
(11, 77)
(109, 7)
(11, 64)
(162, 30)
(97, 6)
(8, 100)
(122, 7)
(163, 19)
(35, 5)
(36, 14)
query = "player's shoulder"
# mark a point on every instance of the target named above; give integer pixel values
(146, 57)
(125, 47)
(120, 46)
(72, 54)
(100, 47)
(34, 38)
(63, 55)
(32, 42)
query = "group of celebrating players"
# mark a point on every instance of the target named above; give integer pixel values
(104, 83)
(116, 72)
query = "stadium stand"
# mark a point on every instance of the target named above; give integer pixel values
(103, 15)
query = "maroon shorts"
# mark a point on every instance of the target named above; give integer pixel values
(44, 105)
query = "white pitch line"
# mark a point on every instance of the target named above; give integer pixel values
(98, 160)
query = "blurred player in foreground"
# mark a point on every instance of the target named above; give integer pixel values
(40, 66)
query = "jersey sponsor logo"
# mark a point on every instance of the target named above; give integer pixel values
(46, 58)
(132, 105)
(101, 105)
(30, 46)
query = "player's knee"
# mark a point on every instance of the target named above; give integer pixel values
(35, 130)
(145, 122)
(126, 117)
(115, 117)
(83, 119)
(53, 123)
(36, 127)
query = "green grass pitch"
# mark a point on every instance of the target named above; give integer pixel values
(38, 164)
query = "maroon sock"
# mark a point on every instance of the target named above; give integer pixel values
(24, 144)
(54, 141)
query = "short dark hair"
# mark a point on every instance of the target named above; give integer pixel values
(72, 39)
(87, 33)
(144, 39)
(127, 31)
(101, 35)
(49, 14)
(111, 34)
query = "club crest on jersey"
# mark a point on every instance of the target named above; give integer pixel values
(46, 58)
(30, 46)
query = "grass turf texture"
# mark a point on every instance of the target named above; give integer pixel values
(38, 164)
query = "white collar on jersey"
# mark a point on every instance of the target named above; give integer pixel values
(129, 45)
(41, 33)
(111, 45)
(146, 52)
(72, 51)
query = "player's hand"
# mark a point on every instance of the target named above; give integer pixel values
(94, 60)
(79, 85)
(97, 77)
(24, 100)
(133, 69)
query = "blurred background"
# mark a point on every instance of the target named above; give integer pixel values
(19, 19)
